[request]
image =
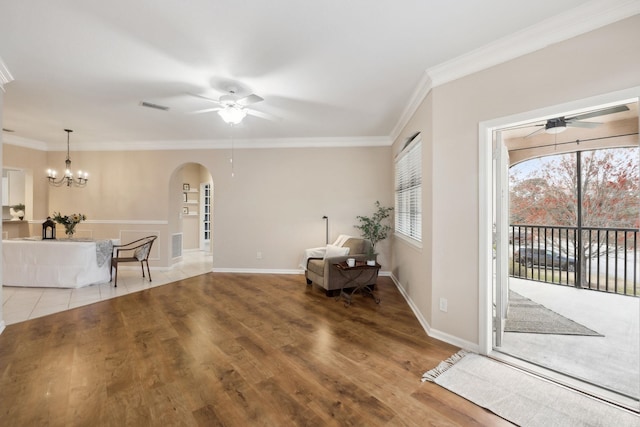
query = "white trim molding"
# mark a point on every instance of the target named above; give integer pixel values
(419, 94)
(557, 28)
(115, 221)
(212, 144)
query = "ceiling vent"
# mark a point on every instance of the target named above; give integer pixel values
(152, 105)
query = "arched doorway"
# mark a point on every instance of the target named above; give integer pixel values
(191, 210)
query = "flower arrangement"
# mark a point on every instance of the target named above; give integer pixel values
(69, 221)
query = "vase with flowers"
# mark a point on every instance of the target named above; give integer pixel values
(69, 222)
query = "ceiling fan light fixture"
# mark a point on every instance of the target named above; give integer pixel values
(555, 130)
(232, 114)
(555, 126)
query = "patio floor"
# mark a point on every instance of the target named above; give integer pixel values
(611, 361)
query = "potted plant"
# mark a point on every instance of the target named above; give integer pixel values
(18, 209)
(374, 229)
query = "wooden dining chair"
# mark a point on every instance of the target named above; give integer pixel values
(136, 251)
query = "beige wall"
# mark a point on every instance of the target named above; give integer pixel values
(599, 62)
(412, 266)
(274, 204)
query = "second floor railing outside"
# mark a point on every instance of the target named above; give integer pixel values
(603, 259)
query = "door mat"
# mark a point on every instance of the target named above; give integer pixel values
(528, 316)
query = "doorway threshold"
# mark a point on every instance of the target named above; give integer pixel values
(579, 386)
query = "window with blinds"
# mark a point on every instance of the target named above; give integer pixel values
(408, 189)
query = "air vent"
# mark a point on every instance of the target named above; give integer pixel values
(152, 105)
(176, 245)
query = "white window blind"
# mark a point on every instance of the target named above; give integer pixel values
(408, 209)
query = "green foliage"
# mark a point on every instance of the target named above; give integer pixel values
(375, 228)
(69, 221)
(544, 191)
(18, 207)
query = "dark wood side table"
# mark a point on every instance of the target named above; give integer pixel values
(358, 277)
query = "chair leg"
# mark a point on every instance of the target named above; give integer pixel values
(115, 280)
(142, 263)
(142, 267)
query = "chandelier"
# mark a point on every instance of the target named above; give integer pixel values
(67, 179)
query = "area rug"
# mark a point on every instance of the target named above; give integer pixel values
(521, 398)
(528, 316)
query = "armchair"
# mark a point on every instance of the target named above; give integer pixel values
(323, 272)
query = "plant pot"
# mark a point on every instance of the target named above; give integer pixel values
(371, 262)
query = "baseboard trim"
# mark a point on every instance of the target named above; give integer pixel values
(433, 333)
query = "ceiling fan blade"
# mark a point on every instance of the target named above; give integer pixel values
(535, 132)
(260, 114)
(603, 112)
(215, 101)
(589, 125)
(206, 110)
(250, 99)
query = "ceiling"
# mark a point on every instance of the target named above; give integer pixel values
(330, 70)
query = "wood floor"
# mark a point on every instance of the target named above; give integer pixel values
(229, 350)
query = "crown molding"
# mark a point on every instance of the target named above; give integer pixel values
(19, 141)
(5, 75)
(419, 94)
(582, 19)
(211, 144)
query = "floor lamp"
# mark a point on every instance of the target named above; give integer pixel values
(326, 220)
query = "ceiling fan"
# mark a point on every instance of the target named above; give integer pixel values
(232, 108)
(560, 124)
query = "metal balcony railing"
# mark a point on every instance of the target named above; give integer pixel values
(608, 260)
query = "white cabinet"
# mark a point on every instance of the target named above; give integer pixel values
(5, 191)
(13, 187)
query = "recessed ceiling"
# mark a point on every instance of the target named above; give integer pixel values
(326, 69)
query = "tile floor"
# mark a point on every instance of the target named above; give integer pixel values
(20, 304)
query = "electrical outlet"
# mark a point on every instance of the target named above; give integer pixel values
(443, 304)
(259, 255)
